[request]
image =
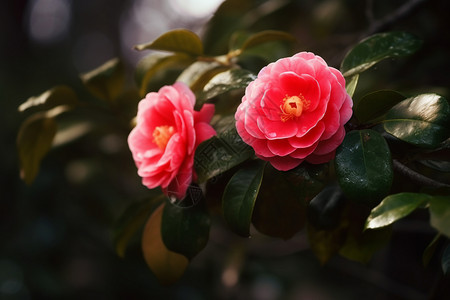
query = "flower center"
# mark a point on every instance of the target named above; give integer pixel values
(292, 107)
(161, 135)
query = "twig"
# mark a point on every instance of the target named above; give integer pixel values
(401, 12)
(417, 177)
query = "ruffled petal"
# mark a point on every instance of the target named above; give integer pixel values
(309, 138)
(280, 147)
(274, 130)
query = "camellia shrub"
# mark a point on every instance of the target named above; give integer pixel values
(277, 148)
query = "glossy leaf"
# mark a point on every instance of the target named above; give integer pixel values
(239, 197)
(350, 84)
(226, 81)
(177, 40)
(279, 209)
(394, 207)
(266, 36)
(150, 66)
(185, 230)
(445, 262)
(106, 82)
(222, 152)
(364, 166)
(423, 120)
(440, 214)
(167, 265)
(198, 74)
(59, 95)
(376, 48)
(373, 106)
(34, 140)
(132, 220)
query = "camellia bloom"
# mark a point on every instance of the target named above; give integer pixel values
(167, 132)
(295, 110)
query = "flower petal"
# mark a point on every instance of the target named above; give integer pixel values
(280, 147)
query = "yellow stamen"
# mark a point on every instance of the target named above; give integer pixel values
(161, 135)
(293, 107)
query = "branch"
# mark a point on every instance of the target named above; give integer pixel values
(401, 12)
(417, 177)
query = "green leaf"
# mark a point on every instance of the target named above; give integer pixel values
(422, 120)
(185, 230)
(430, 250)
(364, 166)
(280, 208)
(325, 243)
(198, 74)
(59, 95)
(440, 214)
(106, 82)
(239, 197)
(373, 106)
(376, 48)
(168, 266)
(152, 65)
(34, 140)
(350, 84)
(177, 40)
(394, 207)
(266, 36)
(222, 152)
(132, 220)
(226, 81)
(363, 246)
(446, 260)
(324, 210)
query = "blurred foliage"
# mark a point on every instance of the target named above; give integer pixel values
(62, 223)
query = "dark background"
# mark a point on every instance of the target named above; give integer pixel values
(56, 235)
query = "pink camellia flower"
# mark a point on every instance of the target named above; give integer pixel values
(167, 133)
(294, 111)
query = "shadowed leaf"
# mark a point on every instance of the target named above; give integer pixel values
(376, 48)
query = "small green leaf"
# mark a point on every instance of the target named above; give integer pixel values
(185, 230)
(222, 152)
(363, 246)
(239, 197)
(364, 166)
(151, 65)
(177, 40)
(430, 250)
(59, 95)
(198, 74)
(423, 120)
(34, 140)
(168, 266)
(376, 48)
(395, 207)
(373, 106)
(226, 81)
(440, 214)
(106, 82)
(132, 220)
(325, 243)
(266, 36)
(446, 260)
(350, 84)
